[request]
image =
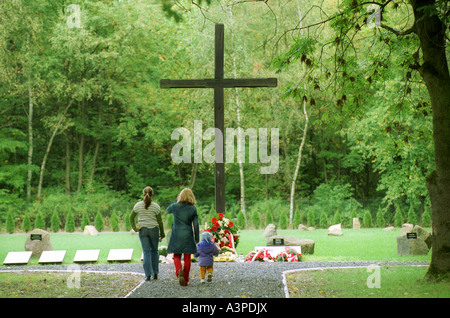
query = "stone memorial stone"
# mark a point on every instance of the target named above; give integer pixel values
(306, 245)
(52, 257)
(17, 258)
(84, 256)
(90, 230)
(389, 228)
(356, 224)
(120, 255)
(406, 228)
(302, 227)
(38, 246)
(423, 235)
(271, 230)
(407, 246)
(335, 230)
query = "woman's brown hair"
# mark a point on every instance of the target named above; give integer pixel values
(148, 193)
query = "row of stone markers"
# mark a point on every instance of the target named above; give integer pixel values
(38, 245)
(57, 257)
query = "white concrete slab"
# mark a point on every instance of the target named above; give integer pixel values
(17, 258)
(120, 255)
(83, 256)
(51, 257)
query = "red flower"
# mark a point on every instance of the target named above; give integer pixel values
(230, 224)
(226, 231)
(214, 220)
(208, 230)
(214, 228)
(220, 216)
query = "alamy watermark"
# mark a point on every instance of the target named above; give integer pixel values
(374, 20)
(74, 19)
(374, 279)
(213, 152)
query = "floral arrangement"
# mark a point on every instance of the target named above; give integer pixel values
(224, 232)
(290, 255)
(263, 255)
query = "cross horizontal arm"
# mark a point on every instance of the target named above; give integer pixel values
(213, 83)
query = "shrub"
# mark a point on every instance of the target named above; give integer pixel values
(26, 223)
(311, 218)
(367, 219)
(269, 217)
(10, 224)
(256, 221)
(126, 221)
(39, 222)
(114, 222)
(54, 222)
(381, 222)
(426, 217)
(337, 217)
(84, 220)
(241, 220)
(398, 217)
(412, 216)
(297, 218)
(98, 222)
(323, 222)
(283, 223)
(70, 222)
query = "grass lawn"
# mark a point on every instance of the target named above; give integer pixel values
(392, 282)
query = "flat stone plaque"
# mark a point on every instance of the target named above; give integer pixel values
(51, 257)
(120, 255)
(83, 256)
(17, 258)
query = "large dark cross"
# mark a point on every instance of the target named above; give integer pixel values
(219, 83)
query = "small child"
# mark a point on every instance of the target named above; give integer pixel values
(206, 250)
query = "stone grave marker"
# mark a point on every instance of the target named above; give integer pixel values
(37, 242)
(120, 255)
(52, 257)
(85, 256)
(17, 258)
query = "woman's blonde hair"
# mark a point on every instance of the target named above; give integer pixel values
(186, 196)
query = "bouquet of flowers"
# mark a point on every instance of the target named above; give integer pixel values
(224, 232)
(290, 255)
(262, 255)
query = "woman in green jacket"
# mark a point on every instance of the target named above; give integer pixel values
(185, 233)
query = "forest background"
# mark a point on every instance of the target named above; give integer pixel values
(84, 126)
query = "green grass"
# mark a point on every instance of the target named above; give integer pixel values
(364, 244)
(394, 282)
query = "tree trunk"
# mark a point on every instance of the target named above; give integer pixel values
(81, 148)
(67, 181)
(193, 175)
(30, 137)
(297, 166)
(434, 70)
(97, 144)
(238, 115)
(49, 146)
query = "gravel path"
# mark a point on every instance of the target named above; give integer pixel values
(230, 280)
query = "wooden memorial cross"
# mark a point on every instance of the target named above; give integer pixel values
(219, 83)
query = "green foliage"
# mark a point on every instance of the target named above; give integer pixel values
(367, 219)
(39, 222)
(26, 223)
(114, 222)
(381, 222)
(311, 218)
(241, 220)
(169, 220)
(85, 220)
(323, 222)
(426, 217)
(284, 220)
(297, 219)
(98, 222)
(70, 222)
(412, 216)
(127, 223)
(269, 217)
(256, 220)
(337, 217)
(55, 223)
(398, 217)
(10, 223)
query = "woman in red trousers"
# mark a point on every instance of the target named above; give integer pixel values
(185, 233)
